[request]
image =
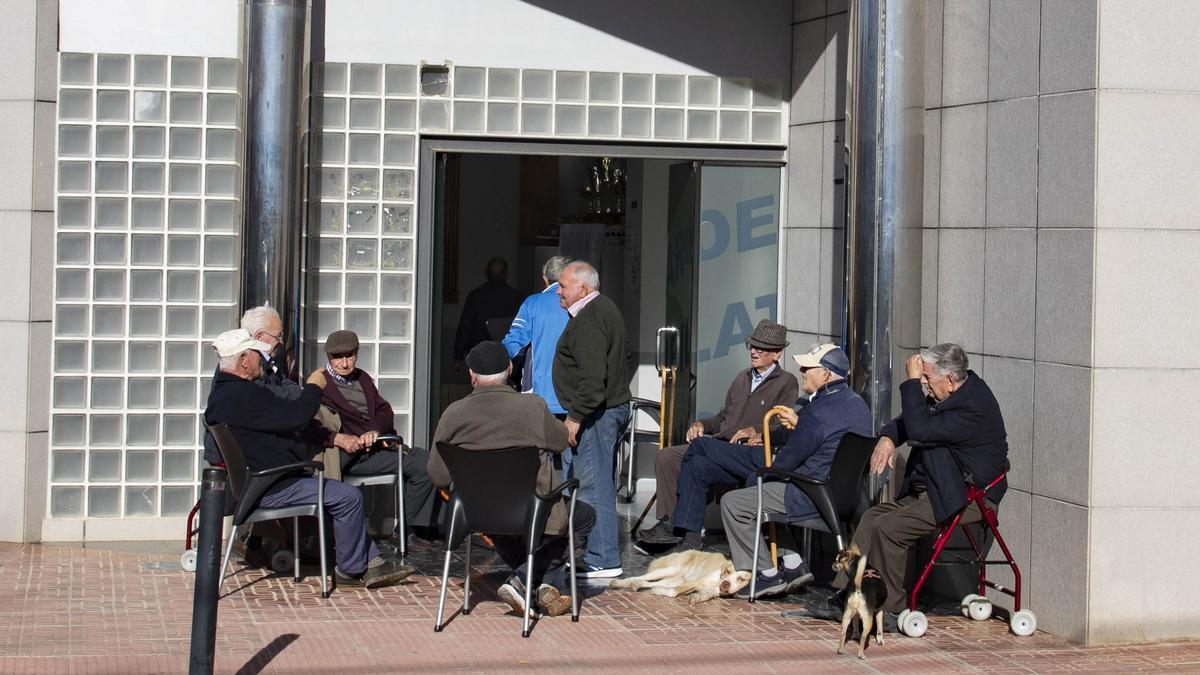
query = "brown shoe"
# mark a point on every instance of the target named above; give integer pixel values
(388, 573)
(552, 602)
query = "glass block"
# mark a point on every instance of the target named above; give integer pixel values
(668, 89)
(570, 85)
(112, 106)
(220, 216)
(112, 69)
(362, 184)
(397, 391)
(364, 149)
(183, 250)
(104, 465)
(329, 217)
(328, 320)
(146, 249)
(186, 107)
(141, 430)
(148, 142)
(331, 147)
(178, 430)
(604, 87)
(183, 322)
(110, 213)
(222, 144)
(362, 322)
(108, 285)
(74, 212)
(366, 357)
(185, 180)
(393, 323)
(535, 119)
(220, 251)
(108, 321)
(66, 502)
(735, 125)
(66, 429)
(187, 71)
(66, 465)
(635, 122)
(361, 218)
(768, 92)
(637, 88)
(332, 183)
(73, 249)
(74, 141)
(220, 180)
(149, 106)
(468, 116)
(148, 177)
(364, 78)
(76, 69)
(149, 71)
(181, 357)
(145, 357)
(112, 141)
(397, 254)
(503, 83)
(434, 80)
(569, 120)
(110, 249)
(360, 288)
(701, 125)
(222, 109)
(222, 73)
(702, 90)
(112, 176)
(501, 118)
(104, 502)
(333, 113)
(147, 214)
(328, 288)
(332, 77)
(141, 501)
(537, 85)
(364, 113)
(329, 253)
(399, 149)
(435, 115)
(395, 289)
(400, 115)
(70, 320)
(183, 214)
(179, 392)
(217, 320)
(361, 254)
(108, 357)
(765, 127)
(145, 285)
(735, 91)
(602, 121)
(219, 286)
(75, 104)
(469, 82)
(145, 321)
(143, 392)
(397, 219)
(177, 500)
(397, 184)
(400, 80)
(668, 123)
(107, 392)
(71, 285)
(70, 392)
(206, 382)
(74, 176)
(394, 359)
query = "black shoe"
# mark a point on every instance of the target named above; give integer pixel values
(829, 609)
(386, 574)
(663, 533)
(786, 580)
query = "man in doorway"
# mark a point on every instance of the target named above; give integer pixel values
(589, 379)
(539, 323)
(494, 299)
(754, 391)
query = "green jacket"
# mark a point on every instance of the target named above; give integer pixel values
(590, 362)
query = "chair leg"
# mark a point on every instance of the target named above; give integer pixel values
(437, 626)
(228, 552)
(758, 514)
(321, 534)
(296, 548)
(401, 520)
(571, 546)
(528, 592)
(467, 579)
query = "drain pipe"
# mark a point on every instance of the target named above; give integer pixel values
(274, 53)
(885, 130)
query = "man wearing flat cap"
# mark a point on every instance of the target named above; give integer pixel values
(493, 417)
(754, 391)
(365, 415)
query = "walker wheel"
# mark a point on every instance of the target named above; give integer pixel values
(282, 561)
(980, 609)
(965, 605)
(1023, 623)
(188, 560)
(913, 623)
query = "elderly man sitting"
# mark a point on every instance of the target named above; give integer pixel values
(268, 426)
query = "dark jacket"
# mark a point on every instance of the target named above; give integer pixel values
(266, 424)
(495, 418)
(589, 364)
(955, 441)
(379, 417)
(745, 408)
(491, 300)
(809, 448)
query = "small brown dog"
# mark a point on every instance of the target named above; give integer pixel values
(703, 575)
(865, 602)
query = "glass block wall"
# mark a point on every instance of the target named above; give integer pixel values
(146, 261)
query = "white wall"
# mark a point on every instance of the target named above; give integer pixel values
(182, 27)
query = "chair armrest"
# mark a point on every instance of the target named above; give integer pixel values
(790, 476)
(286, 468)
(557, 490)
(818, 493)
(639, 402)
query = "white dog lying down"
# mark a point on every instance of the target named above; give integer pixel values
(704, 575)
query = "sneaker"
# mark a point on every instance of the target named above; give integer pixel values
(390, 572)
(595, 572)
(784, 581)
(662, 533)
(348, 580)
(512, 593)
(551, 601)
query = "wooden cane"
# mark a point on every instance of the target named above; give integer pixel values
(665, 419)
(771, 414)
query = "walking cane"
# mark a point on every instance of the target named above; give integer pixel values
(772, 413)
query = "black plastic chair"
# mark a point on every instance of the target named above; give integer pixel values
(836, 498)
(397, 479)
(248, 487)
(653, 410)
(495, 492)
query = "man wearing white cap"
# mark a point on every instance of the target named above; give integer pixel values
(268, 426)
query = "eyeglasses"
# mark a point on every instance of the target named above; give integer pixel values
(277, 338)
(756, 348)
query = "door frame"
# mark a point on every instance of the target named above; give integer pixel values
(424, 268)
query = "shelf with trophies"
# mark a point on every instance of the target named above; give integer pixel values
(598, 234)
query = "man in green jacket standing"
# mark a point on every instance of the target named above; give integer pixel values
(591, 383)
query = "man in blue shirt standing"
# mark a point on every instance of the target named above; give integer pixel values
(538, 324)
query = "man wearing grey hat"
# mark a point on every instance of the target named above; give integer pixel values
(754, 391)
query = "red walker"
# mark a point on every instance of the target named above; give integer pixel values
(913, 622)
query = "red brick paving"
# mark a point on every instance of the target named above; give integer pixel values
(73, 610)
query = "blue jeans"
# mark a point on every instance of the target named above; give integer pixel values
(593, 462)
(351, 545)
(707, 463)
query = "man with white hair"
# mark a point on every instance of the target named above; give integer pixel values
(591, 384)
(538, 324)
(268, 428)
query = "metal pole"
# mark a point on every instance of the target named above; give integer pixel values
(208, 573)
